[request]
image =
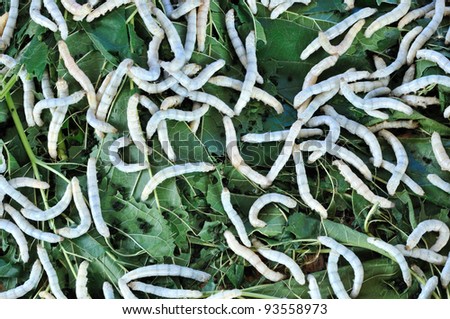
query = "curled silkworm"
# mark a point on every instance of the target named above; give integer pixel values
(36, 16)
(51, 272)
(439, 182)
(108, 290)
(429, 225)
(422, 101)
(265, 200)
(302, 182)
(234, 217)
(318, 69)
(439, 152)
(428, 288)
(410, 124)
(171, 101)
(28, 96)
(105, 7)
(83, 211)
(332, 136)
(16, 195)
(337, 30)
(19, 237)
(79, 11)
(445, 273)
(333, 276)
(314, 291)
(202, 21)
(99, 125)
(427, 32)
(118, 163)
(134, 126)
(184, 8)
(211, 100)
(154, 69)
(226, 294)
(165, 292)
(358, 185)
(20, 182)
(394, 253)
(81, 290)
(94, 198)
(346, 43)
(172, 171)
(27, 286)
(423, 254)
(251, 257)
(401, 157)
(415, 14)
(351, 257)
(145, 11)
(435, 57)
(278, 136)
(191, 34)
(58, 17)
(388, 18)
(8, 30)
(46, 295)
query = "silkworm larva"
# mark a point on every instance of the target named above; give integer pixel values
(77, 10)
(16, 195)
(427, 32)
(234, 217)
(94, 198)
(283, 259)
(191, 33)
(378, 92)
(27, 286)
(8, 30)
(401, 157)
(360, 131)
(134, 126)
(283, 6)
(19, 237)
(430, 225)
(81, 290)
(171, 101)
(410, 74)
(3, 20)
(314, 291)
(142, 74)
(195, 124)
(432, 12)
(396, 255)
(302, 182)
(3, 164)
(46, 295)
(211, 100)
(202, 21)
(164, 292)
(53, 280)
(445, 273)
(311, 108)
(265, 200)
(46, 86)
(251, 257)
(439, 152)
(36, 16)
(168, 8)
(358, 185)
(345, 44)
(415, 14)
(20, 182)
(332, 136)
(108, 290)
(145, 11)
(118, 163)
(184, 8)
(153, 88)
(435, 57)
(439, 182)
(313, 74)
(83, 211)
(59, 114)
(58, 17)
(428, 288)
(28, 96)
(352, 259)
(422, 101)
(423, 254)
(226, 294)
(8, 62)
(148, 104)
(388, 18)
(172, 171)
(410, 124)
(154, 69)
(105, 7)
(333, 276)
(99, 125)
(277, 136)
(93, 3)
(401, 56)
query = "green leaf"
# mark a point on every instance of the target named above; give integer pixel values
(35, 58)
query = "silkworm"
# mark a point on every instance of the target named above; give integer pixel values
(251, 257)
(439, 152)
(99, 125)
(283, 6)
(165, 292)
(3, 165)
(83, 211)
(202, 21)
(77, 10)
(211, 100)
(302, 183)
(283, 259)
(8, 30)
(172, 171)
(93, 3)
(58, 117)
(105, 7)
(195, 124)
(422, 101)
(313, 74)
(144, 9)
(352, 259)
(81, 290)
(345, 44)
(410, 74)
(423, 254)
(428, 288)
(19, 237)
(8, 62)
(3, 20)
(118, 163)
(333, 276)
(184, 8)
(171, 101)
(27, 286)
(20, 182)
(277, 136)
(265, 200)
(337, 30)
(134, 126)
(94, 198)
(46, 86)
(358, 185)
(108, 290)
(191, 33)
(28, 96)
(53, 280)
(409, 124)
(439, 182)
(396, 255)
(435, 57)
(36, 16)
(415, 14)
(314, 291)
(168, 8)
(427, 32)
(428, 226)
(16, 195)
(388, 18)
(154, 69)
(330, 139)
(234, 217)
(432, 12)
(359, 130)
(58, 17)
(445, 273)
(378, 92)
(401, 157)
(46, 295)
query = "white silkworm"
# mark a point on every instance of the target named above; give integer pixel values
(36, 16)
(172, 171)
(27, 286)
(8, 62)
(410, 124)
(15, 195)
(19, 237)
(134, 126)
(154, 69)
(8, 30)
(28, 96)
(314, 291)
(195, 124)
(283, 6)
(143, 74)
(99, 125)
(81, 290)
(251, 257)
(58, 17)
(165, 292)
(234, 217)
(226, 294)
(144, 9)
(108, 290)
(352, 259)
(410, 74)
(265, 200)
(118, 163)
(439, 182)
(83, 211)
(302, 182)
(431, 13)
(428, 288)
(94, 198)
(337, 30)
(211, 100)
(447, 112)
(388, 18)
(202, 22)
(148, 104)
(401, 157)
(313, 74)
(330, 139)
(191, 33)
(358, 185)
(430, 225)
(333, 276)
(278, 136)
(415, 14)
(105, 7)
(423, 254)
(3, 164)
(168, 8)
(171, 101)
(93, 3)
(439, 152)
(422, 101)
(57, 119)
(445, 273)
(396, 255)
(252, 5)
(427, 32)
(46, 86)
(53, 280)
(378, 92)
(20, 182)
(435, 57)
(46, 295)
(77, 10)
(184, 8)
(345, 44)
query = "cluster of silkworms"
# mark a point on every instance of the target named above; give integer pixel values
(180, 80)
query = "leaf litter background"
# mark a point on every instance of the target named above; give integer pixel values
(184, 221)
